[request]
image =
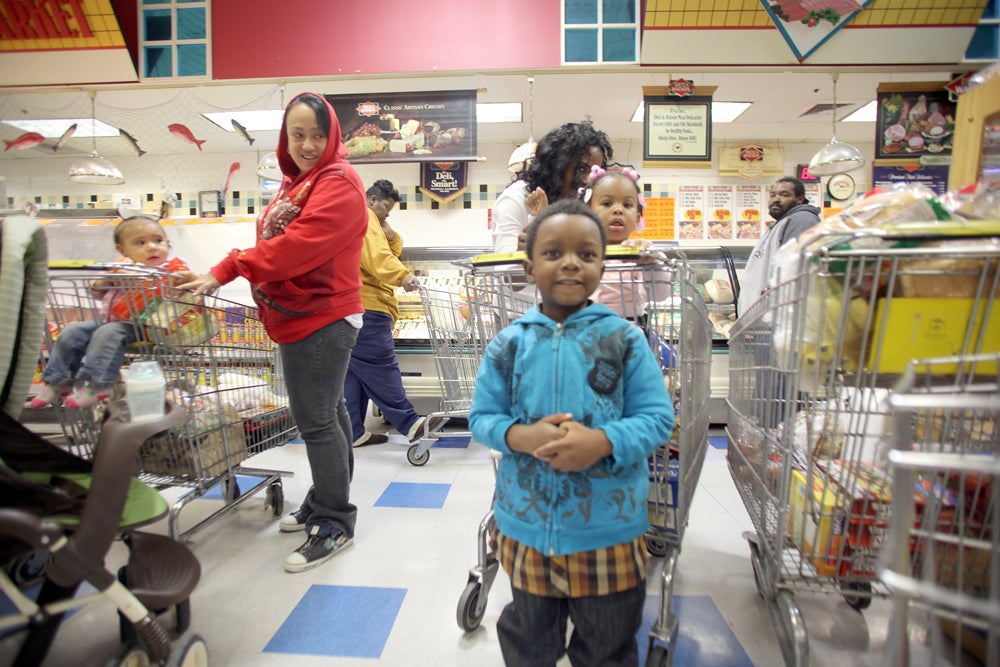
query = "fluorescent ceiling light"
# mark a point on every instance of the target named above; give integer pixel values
(498, 112)
(253, 121)
(722, 112)
(54, 127)
(866, 114)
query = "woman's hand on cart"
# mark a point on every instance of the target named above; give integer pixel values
(411, 284)
(203, 284)
(578, 449)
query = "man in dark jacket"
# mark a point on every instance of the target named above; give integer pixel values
(793, 215)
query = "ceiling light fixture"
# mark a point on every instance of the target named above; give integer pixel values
(95, 170)
(836, 157)
(518, 161)
(268, 168)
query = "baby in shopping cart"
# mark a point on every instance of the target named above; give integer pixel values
(573, 398)
(90, 354)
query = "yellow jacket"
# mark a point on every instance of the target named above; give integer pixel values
(381, 270)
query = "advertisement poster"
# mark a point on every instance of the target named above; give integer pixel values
(934, 177)
(658, 217)
(443, 181)
(749, 206)
(677, 130)
(807, 25)
(690, 212)
(913, 123)
(436, 126)
(720, 211)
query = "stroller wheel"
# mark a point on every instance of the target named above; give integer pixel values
(134, 656)
(189, 651)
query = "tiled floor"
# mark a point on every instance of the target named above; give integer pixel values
(392, 598)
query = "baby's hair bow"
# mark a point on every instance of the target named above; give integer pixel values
(596, 171)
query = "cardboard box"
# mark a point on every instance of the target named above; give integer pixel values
(816, 521)
(917, 328)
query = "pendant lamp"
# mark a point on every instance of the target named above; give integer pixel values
(95, 170)
(519, 159)
(268, 167)
(836, 157)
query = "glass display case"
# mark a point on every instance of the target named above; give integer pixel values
(717, 269)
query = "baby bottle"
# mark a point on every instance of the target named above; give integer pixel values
(145, 391)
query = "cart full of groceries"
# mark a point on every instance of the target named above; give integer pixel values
(218, 365)
(814, 365)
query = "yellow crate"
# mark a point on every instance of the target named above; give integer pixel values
(918, 328)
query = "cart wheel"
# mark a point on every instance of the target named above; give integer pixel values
(656, 546)
(468, 619)
(133, 656)
(756, 564)
(858, 602)
(791, 628)
(275, 498)
(188, 651)
(414, 456)
(659, 657)
(230, 489)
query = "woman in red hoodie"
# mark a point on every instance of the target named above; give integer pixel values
(306, 281)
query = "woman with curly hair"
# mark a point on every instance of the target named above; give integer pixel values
(559, 169)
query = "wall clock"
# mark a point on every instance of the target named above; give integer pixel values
(840, 186)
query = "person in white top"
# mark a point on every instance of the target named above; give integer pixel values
(559, 169)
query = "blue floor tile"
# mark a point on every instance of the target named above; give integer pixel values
(718, 441)
(244, 483)
(349, 621)
(409, 494)
(704, 638)
(453, 442)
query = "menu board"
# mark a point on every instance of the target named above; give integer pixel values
(720, 211)
(658, 217)
(690, 212)
(749, 206)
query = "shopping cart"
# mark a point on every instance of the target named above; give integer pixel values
(220, 366)
(657, 291)
(942, 554)
(812, 367)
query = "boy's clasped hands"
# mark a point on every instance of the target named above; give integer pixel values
(566, 445)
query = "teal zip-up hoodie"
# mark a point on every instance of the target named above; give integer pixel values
(598, 367)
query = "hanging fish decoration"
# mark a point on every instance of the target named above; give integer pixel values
(233, 168)
(65, 135)
(182, 132)
(26, 140)
(242, 131)
(131, 141)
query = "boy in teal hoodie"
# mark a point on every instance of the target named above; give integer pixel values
(574, 399)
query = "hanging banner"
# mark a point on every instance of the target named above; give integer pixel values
(677, 131)
(808, 24)
(751, 160)
(443, 181)
(435, 126)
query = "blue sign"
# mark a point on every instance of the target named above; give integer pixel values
(934, 177)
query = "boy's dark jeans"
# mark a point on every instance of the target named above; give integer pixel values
(532, 629)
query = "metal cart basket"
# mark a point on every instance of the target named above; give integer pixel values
(813, 364)
(658, 292)
(942, 553)
(220, 366)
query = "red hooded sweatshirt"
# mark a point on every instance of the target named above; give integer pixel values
(304, 268)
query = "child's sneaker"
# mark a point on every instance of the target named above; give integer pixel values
(318, 548)
(86, 396)
(48, 395)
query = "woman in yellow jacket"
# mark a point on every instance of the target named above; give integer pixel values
(373, 373)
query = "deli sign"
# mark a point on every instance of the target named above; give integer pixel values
(43, 19)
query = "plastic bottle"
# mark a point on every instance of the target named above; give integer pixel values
(145, 391)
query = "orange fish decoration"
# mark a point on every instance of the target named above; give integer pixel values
(233, 168)
(182, 132)
(26, 140)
